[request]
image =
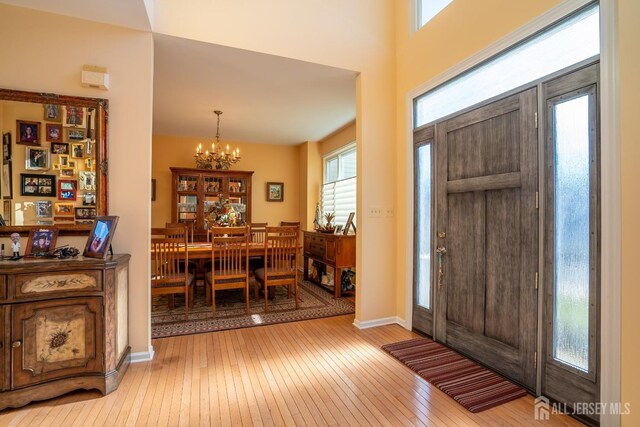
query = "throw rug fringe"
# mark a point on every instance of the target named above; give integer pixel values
(471, 385)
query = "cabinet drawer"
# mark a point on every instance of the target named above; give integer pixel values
(57, 283)
(314, 249)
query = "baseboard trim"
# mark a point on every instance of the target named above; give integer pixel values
(379, 322)
(143, 356)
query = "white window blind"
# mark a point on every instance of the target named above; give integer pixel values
(339, 197)
(339, 189)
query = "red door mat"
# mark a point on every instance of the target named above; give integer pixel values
(471, 385)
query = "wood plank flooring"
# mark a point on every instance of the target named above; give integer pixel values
(312, 373)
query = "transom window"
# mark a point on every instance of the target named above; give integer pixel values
(427, 9)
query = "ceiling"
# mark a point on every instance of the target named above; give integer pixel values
(264, 98)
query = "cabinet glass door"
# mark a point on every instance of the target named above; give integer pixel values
(187, 188)
(238, 197)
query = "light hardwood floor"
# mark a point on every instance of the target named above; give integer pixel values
(316, 372)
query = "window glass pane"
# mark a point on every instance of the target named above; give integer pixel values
(331, 170)
(348, 164)
(572, 41)
(427, 9)
(339, 198)
(571, 241)
(423, 232)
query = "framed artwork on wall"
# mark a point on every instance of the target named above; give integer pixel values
(37, 185)
(37, 158)
(275, 191)
(52, 113)
(6, 146)
(27, 133)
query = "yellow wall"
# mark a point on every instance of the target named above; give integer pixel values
(270, 163)
(338, 139)
(43, 52)
(629, 35)
(356, 35)
(310, 183)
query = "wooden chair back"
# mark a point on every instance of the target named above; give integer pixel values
(281, 260)
(289, 223)
(188, 225)
(257, 231)
(168, 273)
(230, 260)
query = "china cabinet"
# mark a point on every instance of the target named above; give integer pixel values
(197, 192)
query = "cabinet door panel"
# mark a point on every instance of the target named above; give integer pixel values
(4, 348)
(330, 250)
(55, 339)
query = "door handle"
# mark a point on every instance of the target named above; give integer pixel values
(440, 251)
(16, 344)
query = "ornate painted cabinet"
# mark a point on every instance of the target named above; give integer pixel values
(64, 327)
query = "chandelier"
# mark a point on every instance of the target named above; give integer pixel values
(217, 158)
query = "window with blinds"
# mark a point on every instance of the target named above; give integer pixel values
(339, 188)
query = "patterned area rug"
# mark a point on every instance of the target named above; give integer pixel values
(471, 385)
(315, 302)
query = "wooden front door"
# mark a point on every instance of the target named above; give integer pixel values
(487, 235)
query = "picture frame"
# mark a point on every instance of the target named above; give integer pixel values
(61, 148)
(41, 241)
(37, 158)
(52, 112)
(88, 164)
(53, 132)
(87, 180)
(67, 189)
(63, 209)
(7, 181)
(153, 189)
(44, 209)
(27, 132)
(67, 172)
(100, 237)
(72, 164)
(37, 185)
(6, 146)
(6, 209)
(275, 191)
(89, 199)
(349, 224)
(84, 213)
(75, 116)
(77, 151)
(63, 159)
(75, 134)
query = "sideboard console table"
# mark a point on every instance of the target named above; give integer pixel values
(64, 327)
(335, 250)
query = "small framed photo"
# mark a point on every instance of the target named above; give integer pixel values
(37, 158)
(63, 209)
(104, 228)
(88, 164)
(37, 185)
(7, 181)
(52, 113)
(28, 132)
(67, 172)
(53, 132)
(89, 146)
(349, 224)
(60, 148)
(87, 181)
(75, 116)
(6, 146)
(72, 164)
(275, 191)
(67, 189)
(89, 199)
(6, 207)
(64, 159)
(84, 213)
(74, 134)
(41, 241)
(44, 209)
(77, 151)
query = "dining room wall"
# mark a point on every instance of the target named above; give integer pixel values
(269, 162)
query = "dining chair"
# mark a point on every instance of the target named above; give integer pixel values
(168, 274)
(281, 261)
(230, 261)
(256, 235)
